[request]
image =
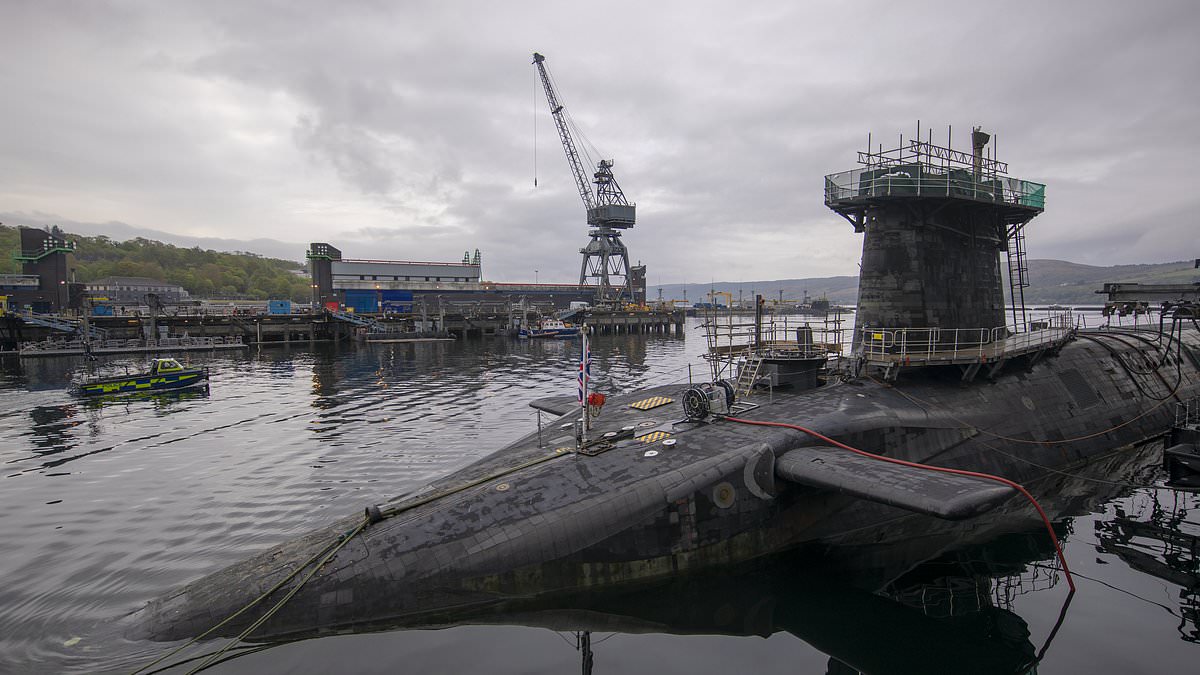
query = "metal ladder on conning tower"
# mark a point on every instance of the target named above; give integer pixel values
(1018, 275)
(748, 375)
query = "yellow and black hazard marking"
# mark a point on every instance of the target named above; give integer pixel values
(652, 402)
(653, 436)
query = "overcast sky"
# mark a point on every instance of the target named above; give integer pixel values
(405, 130)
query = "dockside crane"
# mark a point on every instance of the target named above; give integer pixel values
(605, 258)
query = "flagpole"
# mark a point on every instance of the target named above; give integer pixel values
(584, 367)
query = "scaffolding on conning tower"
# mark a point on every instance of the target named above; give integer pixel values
(737, 347)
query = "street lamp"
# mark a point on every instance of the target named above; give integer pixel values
(535, 276)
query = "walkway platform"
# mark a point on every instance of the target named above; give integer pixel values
(893, 349)
(78, 347)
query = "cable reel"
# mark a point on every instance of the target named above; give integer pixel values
(713, 398)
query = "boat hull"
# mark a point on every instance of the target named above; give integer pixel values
(553, 333)
(143, 383)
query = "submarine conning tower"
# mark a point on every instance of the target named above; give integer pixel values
(935, 222)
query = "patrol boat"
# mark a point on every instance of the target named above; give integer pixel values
(164, 374)
(943, 422)
(549, 328)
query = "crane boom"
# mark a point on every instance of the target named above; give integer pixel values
(564, 134)
(607, 207)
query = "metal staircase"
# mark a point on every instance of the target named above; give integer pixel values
(1018, 275)
(748, 375)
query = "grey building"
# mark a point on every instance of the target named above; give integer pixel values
(133, 290)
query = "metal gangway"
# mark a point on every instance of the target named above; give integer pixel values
(349, 317)
(61, 324)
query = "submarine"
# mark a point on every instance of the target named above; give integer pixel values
(944, 422)
(914, 591)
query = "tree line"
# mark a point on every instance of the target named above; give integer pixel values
(204, 273)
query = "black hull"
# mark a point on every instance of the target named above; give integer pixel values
(572, 523)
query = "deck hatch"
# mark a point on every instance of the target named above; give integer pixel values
(652, 402)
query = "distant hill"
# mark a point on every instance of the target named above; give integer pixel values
(204, 273)
(1051, 282)
(1062, 282)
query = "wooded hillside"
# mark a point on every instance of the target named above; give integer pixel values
(204, 273)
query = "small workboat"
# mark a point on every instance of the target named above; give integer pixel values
(549, 328)
(164, 374)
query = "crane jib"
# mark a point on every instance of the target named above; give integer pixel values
(607, 206)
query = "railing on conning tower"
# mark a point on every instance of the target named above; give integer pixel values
(923, 180)
(922, 169)
(937, 346)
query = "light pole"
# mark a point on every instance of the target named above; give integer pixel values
(535, 276)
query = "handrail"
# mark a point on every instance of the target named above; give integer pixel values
(932, 344)
(920, 180)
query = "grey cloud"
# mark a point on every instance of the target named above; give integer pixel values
(406, 129)
(356, 154)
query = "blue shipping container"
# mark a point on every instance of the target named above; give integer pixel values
(279, 307)
(102, 310)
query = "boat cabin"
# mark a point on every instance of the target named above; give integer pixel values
(161, 366)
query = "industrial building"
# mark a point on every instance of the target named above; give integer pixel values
(395, 286)
(42, 287)
(133, 290)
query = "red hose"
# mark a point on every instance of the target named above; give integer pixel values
(961, 472)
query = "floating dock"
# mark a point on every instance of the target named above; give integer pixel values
(80, 347)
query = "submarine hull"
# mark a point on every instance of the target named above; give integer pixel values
(539, 517)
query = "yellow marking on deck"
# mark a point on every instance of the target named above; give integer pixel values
(653, 437)
(652, 402)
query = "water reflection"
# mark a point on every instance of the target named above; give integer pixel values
(54, 431)
(953, 621)
(50, 428)
(1153, 535)
(162, 402)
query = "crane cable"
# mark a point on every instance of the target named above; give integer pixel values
(585, 145)
(940, 469)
